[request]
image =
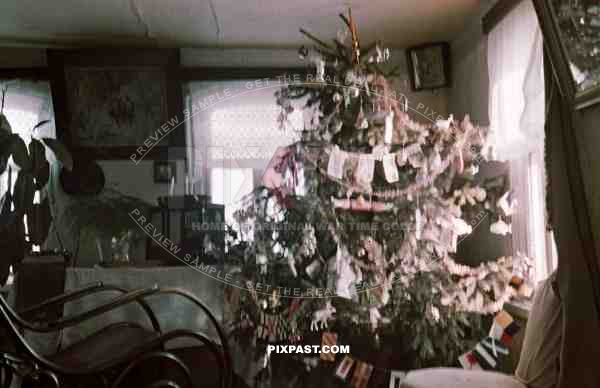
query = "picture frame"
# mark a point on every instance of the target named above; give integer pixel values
(111, 102)
(165, 171)
(570, 46)
(429, 66)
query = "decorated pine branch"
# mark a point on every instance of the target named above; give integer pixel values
(369, 207)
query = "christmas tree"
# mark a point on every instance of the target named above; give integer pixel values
(356, 229)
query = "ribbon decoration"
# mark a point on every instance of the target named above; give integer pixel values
(361, 205)
(362, 374)
(343, 369)
(488, 353)
(329, 339)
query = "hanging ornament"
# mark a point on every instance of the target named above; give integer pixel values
(473, 169)
(291, 260)
(362, 374)
(418, 223)
(501, 228)
(313, 268)
(261, 262)
(275, 298)
(386, 55)
(344, 274)
(379, 54)
(303, 52)
(507, 206)
(389, 128)
(364, 172)
(328, 339)
(343, 370)
(335, 166)
(390, 169)
(320, 70)
(374, 317)
(322, 316)
(445, 124)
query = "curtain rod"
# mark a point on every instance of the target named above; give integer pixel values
(497, 13)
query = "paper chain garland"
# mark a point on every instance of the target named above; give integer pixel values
(365, 161)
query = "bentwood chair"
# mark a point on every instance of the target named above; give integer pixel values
(124, 354)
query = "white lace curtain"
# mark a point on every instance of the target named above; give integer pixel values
(517, 116)
(26, 103)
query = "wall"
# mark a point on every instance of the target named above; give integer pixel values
(11, 57)
(422, 103)
(137, 180)
(469, 95)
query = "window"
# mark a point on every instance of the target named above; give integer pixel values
(517, 114)
(234, 132)
(228, 186)
(26, 103)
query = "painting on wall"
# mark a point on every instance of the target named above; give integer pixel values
(112, 107)
(110, 102)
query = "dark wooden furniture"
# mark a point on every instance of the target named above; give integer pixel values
(122, 354)
(192, 223)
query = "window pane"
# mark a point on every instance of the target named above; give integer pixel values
(228, 186)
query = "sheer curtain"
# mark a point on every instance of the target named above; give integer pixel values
(26, 103)
(233, 140)
(517, 115)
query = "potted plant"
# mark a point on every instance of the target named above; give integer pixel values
(24, 223)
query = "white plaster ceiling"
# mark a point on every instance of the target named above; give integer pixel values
(226, 23)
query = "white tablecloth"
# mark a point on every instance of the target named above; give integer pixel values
(172, 311)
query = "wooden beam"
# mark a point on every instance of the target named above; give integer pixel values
(497, 13)
(33, 73)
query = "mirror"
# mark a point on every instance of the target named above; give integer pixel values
(579, 29)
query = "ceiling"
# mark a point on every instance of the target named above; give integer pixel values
(226, 23)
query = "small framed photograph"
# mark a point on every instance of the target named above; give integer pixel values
(164, 171)
(428, 66)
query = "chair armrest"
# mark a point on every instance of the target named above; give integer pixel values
(91, 289)
(136, 296)
(224, 344)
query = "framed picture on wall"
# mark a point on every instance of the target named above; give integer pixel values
(111, 102)
(572, 35)
(428, 66)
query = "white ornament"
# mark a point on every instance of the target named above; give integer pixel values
(500, 227)
(390, 169)
(320, 317)
(364, 171)
(292, 263)
(313, 268)
(418, 224)
(507, 207)
(345, 276)
(445, 124)
(374, 317)
(389, 128)
(335, 166)
(461, 227)
(261, 261)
